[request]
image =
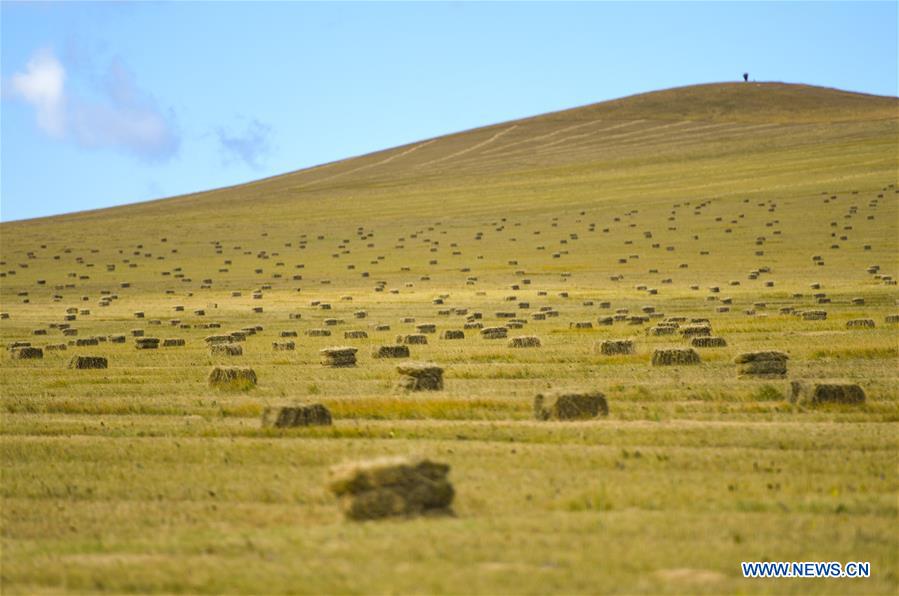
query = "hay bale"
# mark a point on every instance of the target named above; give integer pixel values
(570, 406)
(426, 328)
(318, 332)
(420, 376)
(172, 342)
(814, 394)
(412, 339)
(696, 331)
(228, 349)
(494, 332)
(26, 353)
(116, 339)
(453, 334)
(146, 343)
(658, 330)
(580, 325)
(85, 362)
(891, 319)
(708, 342)
(293, 416)
(339, 356)
(232, 377)
(525, 341)
(392, 487)
(390, 352)
(612, 347)
(55, 347)
(814, 315)
(675, 357)
(87, 341)
(217, 339)
(355, 334)
(283, 346)
(762, 364)
(860, 323)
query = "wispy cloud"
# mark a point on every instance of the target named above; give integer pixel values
(250, 146)
(123, 116)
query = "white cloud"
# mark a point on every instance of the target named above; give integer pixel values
(123, 117)
(41, 85)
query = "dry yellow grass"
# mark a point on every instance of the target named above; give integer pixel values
(140, 477)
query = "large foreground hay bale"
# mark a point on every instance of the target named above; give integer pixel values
(226, 350)
(675, 357)
(390, 487)
(826, 393)
(232, 377)
(85, 362)
(570, 406)
(390, 352)
(611, 347)
(708, 342)
(420, 376)
(338, 356)
(763, 364)
(292, 416)
(525, 341)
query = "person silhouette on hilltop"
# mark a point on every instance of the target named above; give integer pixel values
(745, 77)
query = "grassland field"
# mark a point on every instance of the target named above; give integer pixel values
(142, 478)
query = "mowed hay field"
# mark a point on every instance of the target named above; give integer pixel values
(746, 205)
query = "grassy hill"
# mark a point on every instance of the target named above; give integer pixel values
(742, 204)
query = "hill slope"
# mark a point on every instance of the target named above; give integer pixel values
(724, 142)
(699, 125)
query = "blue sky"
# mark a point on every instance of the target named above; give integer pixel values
(112, 103)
